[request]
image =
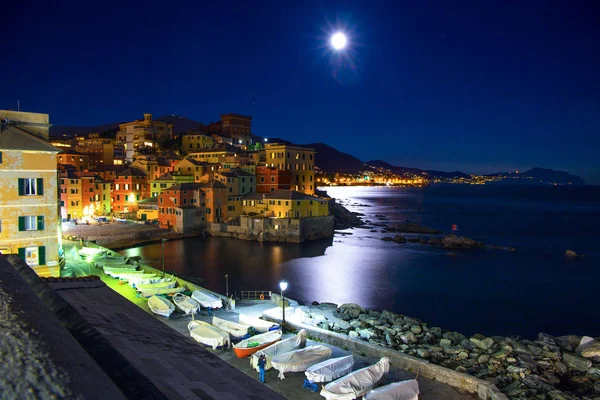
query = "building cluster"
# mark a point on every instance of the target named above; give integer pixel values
(217, 176)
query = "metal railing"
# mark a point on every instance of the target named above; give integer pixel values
(255, 294)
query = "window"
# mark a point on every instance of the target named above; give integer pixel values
(127, 186)
(287, 203)
(298, 202)
(33, 256)
(62, 203)
(117, 186)
(118, 197)
(31, 223)
(272, 179)
(31, 186)
(278, 202)
(91, 189)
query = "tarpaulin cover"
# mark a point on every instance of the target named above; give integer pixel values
(356, 383)
(405, 390)
(206, 300)
(207, 334)
(300, 360)
(292, 343)
(331, 369)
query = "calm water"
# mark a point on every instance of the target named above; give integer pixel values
(491, 292)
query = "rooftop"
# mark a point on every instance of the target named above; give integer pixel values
(13, 138)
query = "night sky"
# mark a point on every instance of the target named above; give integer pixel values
(481, 86)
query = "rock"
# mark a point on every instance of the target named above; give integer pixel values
(423, 353)
(593, 373)
(535, 382)
(341, 326)
(351, 309)
(526, 361)
(560, 367)
(460, 242)
(568, 342)
(353, 334)
(436, 331)
(328, 305)
(314, 303)
(452, 349)
(483, 344)
(366, 334)
(570, 253)
(463, 355)
(391, 340)
(416, 329)
(387, 316)
(576, 363)
(482, 359)
(356, 324)
(461, 369)
(445, 342)
(467, 344)
(399, 239)
(558, 395)
(408, 337)
(374, 314)
(589, 348)
(387, 239)
(535, 350)
(434, 242)
(413, 240)
(581, 384)
(454, 337)
(503, 352)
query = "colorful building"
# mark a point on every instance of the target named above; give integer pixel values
(101, 151)
(139, 134)
(148, 209)
(158, 185)
(216, 201)
(153, 166)
(285, 204)
(300, 161)
(79, 161)
(130, 186)
(194, 140)
(29, 212)
(180, 207)
(83, 195)
(217, 153)
(269, 179)
(235, 128)
(238, 182)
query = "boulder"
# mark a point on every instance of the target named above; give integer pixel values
(445, 342)
(408, 337)
(436, 331)
(353, 334)
(435, 242)
(454, 337)
(503, 352)
(483, 344)
(558, 395)
(588, 347)
(387, 316)
(351, 309)
(570, 253)
(460, 242)
(399, 239)
(568, 342)
(387, 239)
(576, 363)
(366, 334)
(463, 355)
(341, 325)
(416, 329)
(452, 349)
(482, 359)
(593, 373)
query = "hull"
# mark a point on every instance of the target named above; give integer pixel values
(185, 303)
(207, 334)
(161, 306)
(242, 350)
(259, 325)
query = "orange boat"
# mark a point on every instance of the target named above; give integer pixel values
(249, 346)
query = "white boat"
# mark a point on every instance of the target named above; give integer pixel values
(292, 343)
(357, 383)
(331, 369)
(259, 325)
(405, 390)
(300, 360)
(126, 276)
(206, 300)
(235, 330)
(185, 303)
(118, 270)
(152, 292)
(161, 306)
(159, 285)
(90, 251)
(205, 333)
(249, 346)
(133, 281)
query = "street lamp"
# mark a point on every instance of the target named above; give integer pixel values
(283, 285)
(163, 256)
(339, 41)
(266, 140)
(227, 285)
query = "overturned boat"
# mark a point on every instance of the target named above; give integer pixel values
(357, 383)
(185, 303)
(151, 292)
(160, 285)
(259, 325)
(161, 306)
(300, 360)
(206, 300)
(249, 346)
(235, 330)
(292, 343)
(207, 334)
(331, 369)
(405, 390)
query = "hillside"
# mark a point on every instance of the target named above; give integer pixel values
(69, 130)
(331, 160)
(540, 176)
(180, 124)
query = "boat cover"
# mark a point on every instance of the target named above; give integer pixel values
(356, 383)
(300, 360)
(150, 292)
(259, 325)
(185, 303)
(207, 334)
(331, 369)
(206, 300)
(292, 343)
(405, 390)
(233, 328)
(159, 285)
(161, 306)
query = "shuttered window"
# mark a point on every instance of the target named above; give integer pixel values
(31, 186)
(31, 223)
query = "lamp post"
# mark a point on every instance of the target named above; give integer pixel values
(227, 285)
(283, 285)
(163, 256)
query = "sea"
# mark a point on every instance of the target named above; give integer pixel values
(493, 292)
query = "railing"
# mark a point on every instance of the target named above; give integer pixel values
(255, 294)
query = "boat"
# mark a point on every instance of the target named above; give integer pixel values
(133, 281)
(357, 383)
(300, 360)
(331, 369)
(127, 275)
(235, 330)
(160, 285)
(161, 306)
(205, 333)
(206, 300)
(249, 346)
(292, 343)
(259, 325)
(90, 251)
(405, 390)
(152, 292)
(185, 303)
(123, 269)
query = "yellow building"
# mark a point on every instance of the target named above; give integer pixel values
(142, 133)
(29, 212)
(193, 140)
(300, 161)
(158, 185)
(284, 204)
(218, 153)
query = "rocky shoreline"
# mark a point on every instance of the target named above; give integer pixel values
(548, 368)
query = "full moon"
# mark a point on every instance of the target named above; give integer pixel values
(338, 41)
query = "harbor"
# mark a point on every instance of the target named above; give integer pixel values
(108, 319)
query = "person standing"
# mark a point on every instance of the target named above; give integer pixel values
(262, 362)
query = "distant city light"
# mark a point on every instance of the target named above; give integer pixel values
(240, 142)
(339, 41)
(266, 139)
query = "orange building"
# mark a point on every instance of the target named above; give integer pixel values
(130, 186)
(78, 160)
(216, 201)
(269, 179)
(83, 195)
(180, 207)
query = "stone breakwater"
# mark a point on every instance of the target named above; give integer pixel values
(549, 368)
